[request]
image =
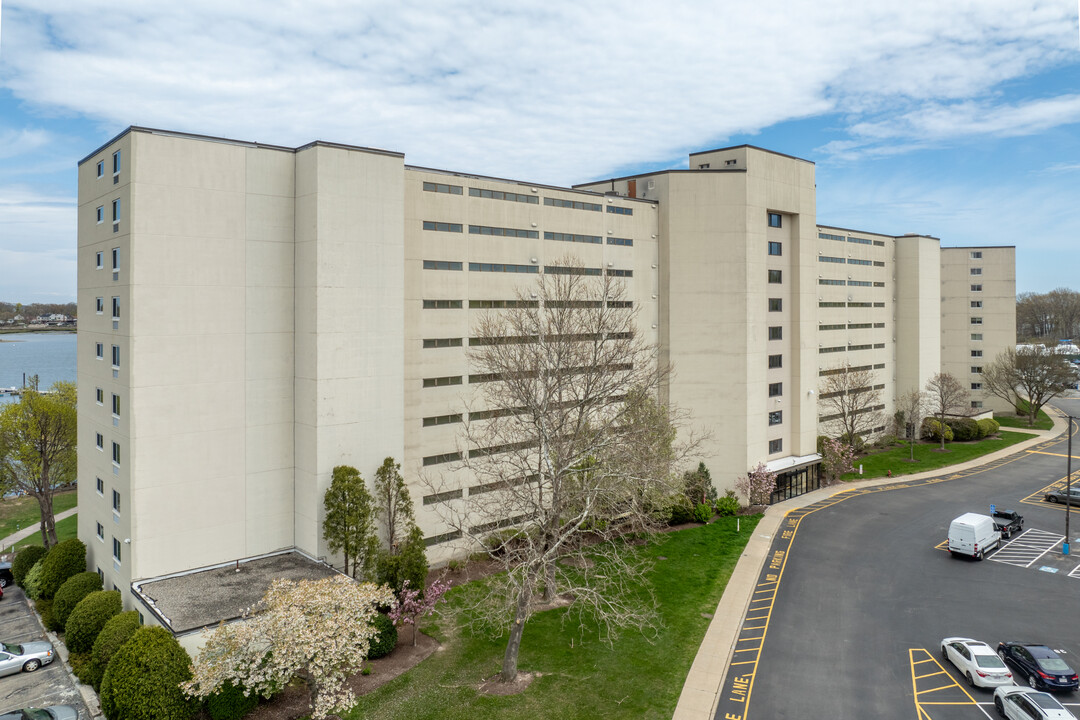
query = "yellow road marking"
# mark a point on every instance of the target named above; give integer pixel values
(920, 704)
(939, 672)
(1043, 452)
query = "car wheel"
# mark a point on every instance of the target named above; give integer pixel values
(1033, 682)
(1051, 498)
(3, 582)
(1007, 534)
(979, 556)
(944, 655)
(999, 707)
(31, 665)
(971, 681)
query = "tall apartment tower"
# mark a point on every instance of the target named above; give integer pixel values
(252, 316)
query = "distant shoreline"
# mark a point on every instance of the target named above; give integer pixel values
(19, 331)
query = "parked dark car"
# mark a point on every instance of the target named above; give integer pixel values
(1058, 495)
(6, 578)
(1042, 667)
(1008, 522)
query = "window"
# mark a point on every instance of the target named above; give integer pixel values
(776, 304)
(776, 276)
(831, 304)
(879, 263)
(828, 236)
(976, 386)
(776, 417)
(834, 349)
(620, 273)
(441, 265)
(860, 241)
(776, 361)
(115, 308)
(563, 270)
(116, 210)
(879, 243)
(976, 288)
(628, 242)
(116, 501)
(829, 259)
(620, 210)
(776, 332)
(832, 326)
(116, 258)
(440, 497)
(116, 356)
(100, 532)
(575, 204)
(860, 283)
(100, 305)
(976, 353)
(99, 351)
(775, 220)
(502, 267)
(100, 260)
(116, 405)
(499, 304)
(856, 261)
(503, 195)
(442, 381)
(100, 214)
(976, 369)
(976, 303)
(976, 336)
(976, 404)
(827, 281)
(442, 188)
(776, 446)
(99, 440)
(442, 304)
(100, 396)
(442, 420)
(116, 453)
(976, 321)
(100, 487)
(439, 459)
(442, 226)
(975, 254)
(502, 232)
(569, 237)
(776, 248)
(101, 168)
(976, 271)
(442, 342)
(116, 162)
(776, 389)
(116, 549)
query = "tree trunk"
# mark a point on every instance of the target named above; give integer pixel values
(941, 429)
(513, 645)
(48, 522)
(549, 582)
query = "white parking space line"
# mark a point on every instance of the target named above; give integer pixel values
(1075, 572)
(1028, 547)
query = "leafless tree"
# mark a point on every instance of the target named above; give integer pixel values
(912, 404)
(848, 403)
(1048, 316)
(569, 451)
(1036, 374)
(946, 396)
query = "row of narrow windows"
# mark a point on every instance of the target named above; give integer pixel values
(524, 198)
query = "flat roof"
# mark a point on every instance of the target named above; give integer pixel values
(669, 171)
(752, 147)
(523, 183)
(200, 598)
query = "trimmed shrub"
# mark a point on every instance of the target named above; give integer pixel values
(964, 429)
(25, 559)
(702, 513)
(117, 631)
(82, 664)
(89, 617)
(230, 702)
(44, 609)
(697, 485)
(988, 426)
(682, 512)
(408, 563)
(384, 643)
(71, 592)
(32, 582)
(142, 681)
(727, 505)
(63, 561)
(931, 430)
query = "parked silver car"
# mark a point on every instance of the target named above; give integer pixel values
(56, 712)
(26, 657)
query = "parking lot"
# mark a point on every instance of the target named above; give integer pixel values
(50, 685)
(856, 596)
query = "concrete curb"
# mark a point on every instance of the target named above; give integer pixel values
(89, 697)
(700, 695)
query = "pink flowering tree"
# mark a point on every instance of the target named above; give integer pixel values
(412, 606)
(837, 458)
(319, 630)
(757, 485)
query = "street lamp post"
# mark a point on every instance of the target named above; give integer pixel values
(1068, 487)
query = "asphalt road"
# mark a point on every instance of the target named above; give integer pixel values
(855, 597)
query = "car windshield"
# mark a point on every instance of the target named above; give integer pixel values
(13, 649)
(1053, 665)
(36, 714)
(989, 661)
(1045, 701)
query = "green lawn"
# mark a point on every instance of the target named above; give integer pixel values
(581, 676)
(24, 511)
(928, 456)
(65, 530)
(1042, 421)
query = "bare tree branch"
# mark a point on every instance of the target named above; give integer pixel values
(849, 404)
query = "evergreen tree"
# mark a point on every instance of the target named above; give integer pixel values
(349, 526)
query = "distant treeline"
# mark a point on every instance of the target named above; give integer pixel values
(8, 311)
(1048, 317)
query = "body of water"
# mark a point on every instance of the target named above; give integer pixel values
(49, 355)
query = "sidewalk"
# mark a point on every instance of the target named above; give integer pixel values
(35, 529)
(701, 691)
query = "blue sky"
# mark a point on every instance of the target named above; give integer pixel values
(954, 119)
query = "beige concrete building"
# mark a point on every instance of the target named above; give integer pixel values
(252, 316)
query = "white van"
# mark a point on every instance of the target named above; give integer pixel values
(973, 534)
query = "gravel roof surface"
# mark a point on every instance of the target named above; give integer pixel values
(207, 597)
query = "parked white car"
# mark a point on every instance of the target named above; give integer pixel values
(27, 657)
(976, 661)
(1021, 703)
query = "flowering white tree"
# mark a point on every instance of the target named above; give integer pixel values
(320, 630)
(413, 605)
(837, 458)
(757, 485)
